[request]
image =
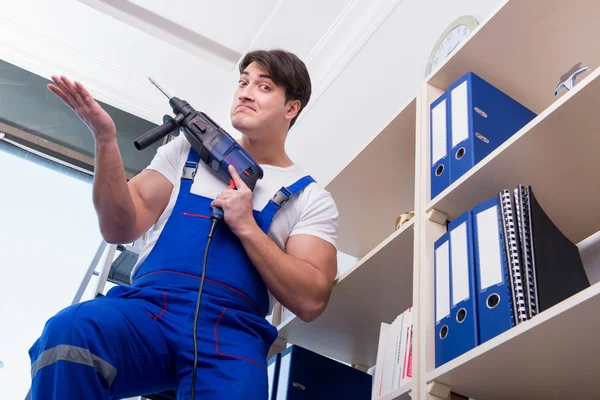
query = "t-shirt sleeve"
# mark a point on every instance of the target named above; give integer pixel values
(319, 217)
(167, 159)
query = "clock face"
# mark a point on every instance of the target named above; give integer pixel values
(449, 43)
(454, 34)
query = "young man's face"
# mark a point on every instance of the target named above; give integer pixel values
(259, 106)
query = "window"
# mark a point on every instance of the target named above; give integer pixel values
(48, 236)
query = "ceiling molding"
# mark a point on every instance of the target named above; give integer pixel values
(263, 27)
(342, 42)
(13, 49)
(167, 30)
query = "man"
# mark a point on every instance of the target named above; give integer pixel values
(139, 339)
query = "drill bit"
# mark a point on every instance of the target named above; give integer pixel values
(159, 88)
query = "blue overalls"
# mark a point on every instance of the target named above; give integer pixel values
(137, 340)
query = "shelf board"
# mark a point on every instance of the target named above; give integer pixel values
(551, 356)
(524, 48)
(401, 393)
(381, 178)
(556, 153)
(376, 289)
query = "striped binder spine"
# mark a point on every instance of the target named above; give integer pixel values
(513, 255)
(521, 195)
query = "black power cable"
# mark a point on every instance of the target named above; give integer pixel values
(213, 225)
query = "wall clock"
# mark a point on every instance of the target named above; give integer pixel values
(454, 34)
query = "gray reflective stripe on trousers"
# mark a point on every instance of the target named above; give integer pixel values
(64, 352)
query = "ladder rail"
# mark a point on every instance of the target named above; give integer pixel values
(90, 271)
(112, 249)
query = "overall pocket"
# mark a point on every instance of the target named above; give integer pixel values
(243, 336)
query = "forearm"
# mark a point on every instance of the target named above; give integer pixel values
(298, 285)
(111, 196)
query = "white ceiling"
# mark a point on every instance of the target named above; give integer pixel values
(189, 46)
(222, 31)
(232, 24)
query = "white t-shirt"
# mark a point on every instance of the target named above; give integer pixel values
(312, 211)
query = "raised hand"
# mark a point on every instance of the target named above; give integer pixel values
(76, 96)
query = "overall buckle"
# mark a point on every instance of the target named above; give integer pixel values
(189, 170)
(281, 197)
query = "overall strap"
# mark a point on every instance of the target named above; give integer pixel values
(189, 170)
(280, 198)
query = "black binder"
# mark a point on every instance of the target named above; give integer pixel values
(552, 265)
(306, 375)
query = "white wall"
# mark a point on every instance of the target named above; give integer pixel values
(379, 81)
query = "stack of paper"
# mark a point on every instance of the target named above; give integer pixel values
(393, 367)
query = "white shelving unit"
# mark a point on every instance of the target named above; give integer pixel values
(523, 49)
(402, 393)
(377, 185)
(377, 288)
(550, 356)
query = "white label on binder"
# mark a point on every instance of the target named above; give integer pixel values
(460, 114)
(488, 242)
(460, 263)
(442, 282)
(271, 374)
(284, 376)
(438, 132)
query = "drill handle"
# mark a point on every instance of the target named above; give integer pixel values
(157, 133)
(217, 213)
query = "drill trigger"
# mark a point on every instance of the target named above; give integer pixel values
(231, 184)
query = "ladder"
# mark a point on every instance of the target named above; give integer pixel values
(116, 271)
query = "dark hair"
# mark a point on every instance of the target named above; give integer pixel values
(287, 70)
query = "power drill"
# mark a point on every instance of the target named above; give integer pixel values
(216, 147)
